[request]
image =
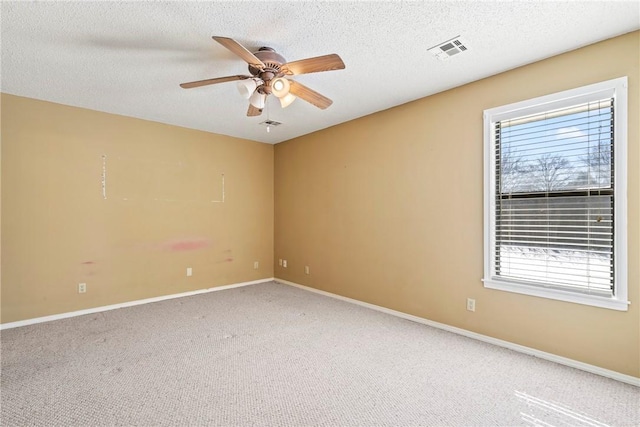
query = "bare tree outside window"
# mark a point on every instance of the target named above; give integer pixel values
(513, 172)
(598, 164)
(548, 172)
(552, 172)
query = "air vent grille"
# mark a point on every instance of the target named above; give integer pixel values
(270, 123)
(446, 50)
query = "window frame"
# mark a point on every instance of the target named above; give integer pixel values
(616, 89)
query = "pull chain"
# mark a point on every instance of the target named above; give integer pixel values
(267, 108)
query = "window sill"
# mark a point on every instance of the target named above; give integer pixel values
(596, 301)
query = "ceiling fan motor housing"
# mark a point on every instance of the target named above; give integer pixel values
(273, 62)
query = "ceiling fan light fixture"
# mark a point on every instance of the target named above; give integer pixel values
(247, 87)
(268, 71)
(258, 100)
(280, 87)
(286, 100)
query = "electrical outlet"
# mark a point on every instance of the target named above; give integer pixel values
(189, 271)
(256, 265)
(284, 263)
(471, 304)
(82, 288)
(280, 262)
(306, 269)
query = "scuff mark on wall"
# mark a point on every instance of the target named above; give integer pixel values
(104, 176)
(222, 184)
(220, 201)
(223, 257)
(149, 179)
(228, 254)
(87, 269)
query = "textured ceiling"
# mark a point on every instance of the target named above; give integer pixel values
(128, 58)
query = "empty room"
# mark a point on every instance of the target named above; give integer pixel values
(331, 213)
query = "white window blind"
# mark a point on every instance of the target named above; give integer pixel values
(554, 198)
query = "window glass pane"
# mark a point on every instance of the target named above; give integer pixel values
(560, 152)
(554, 198)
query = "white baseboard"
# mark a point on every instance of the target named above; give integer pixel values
(125, 304)
(501, 343)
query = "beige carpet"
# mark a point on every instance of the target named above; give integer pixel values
(275, 355)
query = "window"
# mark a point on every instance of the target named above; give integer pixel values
(555, 196)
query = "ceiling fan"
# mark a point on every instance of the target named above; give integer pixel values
(269, 72)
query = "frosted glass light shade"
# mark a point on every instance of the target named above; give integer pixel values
(257, 100)
(286, 100)
(280, 87)
(247, 87)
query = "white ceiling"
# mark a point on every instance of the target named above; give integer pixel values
(128, 58)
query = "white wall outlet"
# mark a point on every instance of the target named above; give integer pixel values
(82, 288)
(256, 265)
(471, 304)
(280, 262)
(284, 263)
(189, 271)
(306, 269)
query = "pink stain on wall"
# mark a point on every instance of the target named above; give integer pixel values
(186, 245)
(88, 262)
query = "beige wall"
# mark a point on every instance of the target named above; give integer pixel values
(388, 209)
(159, 216)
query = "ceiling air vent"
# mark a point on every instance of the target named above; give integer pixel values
(446, 50)
(270, 123)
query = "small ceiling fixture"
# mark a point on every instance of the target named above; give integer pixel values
(446, 50)
(269, 123)
(269, 72)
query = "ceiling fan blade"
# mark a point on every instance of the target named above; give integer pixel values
(241, 51)
(253, 111)
(309, 95)
(212, 81)
(313, 65)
